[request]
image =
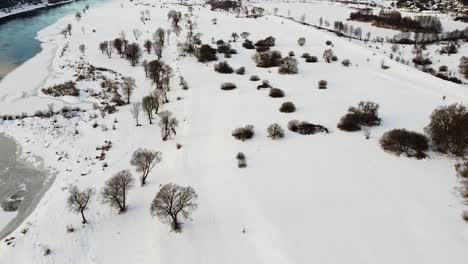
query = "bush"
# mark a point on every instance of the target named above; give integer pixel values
(400, 141)
(287, 107)
(275, 131)
(328, 55)
(448, 129)
(312, 59)
(419, 60)
(268, 42)
(443, 68)
(262, 48)
(328, 42)
(288, 66)
(224, 48)
(64, 89)
(265, 84)
(366, 114)
(241, 71)
(334, 58)
(254, 78)
(291, 54)
(223, 67)
(346, 63)
(228, 86)
(305, 55)
(305, 128)
(322, 84)
(243, 133)
(267, 59)
(248, 44)
(301, 41)
(206, 53)
(241, 161)
(276, 93)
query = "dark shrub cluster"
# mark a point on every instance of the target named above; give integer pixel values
(68, 88)
(262, 48)
(401, 141)
(311, 59)
(288, 65)
(241, 71)
(365, 114)
(254, 78)
(268, 42)
(223, 67)
(228, 86)
(305, 128)
(206, 53)
(287, 107)
(305, 55)
(322, 84)
(448, 129)
(243, 133)
(265, 84)
(420, 60)
(241, 161)
(276, 93)
(346, 63)
(267, 59)
(248, 44)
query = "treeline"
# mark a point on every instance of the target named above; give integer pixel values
(407, 38)
(394, 19)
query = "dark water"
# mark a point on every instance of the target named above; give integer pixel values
(17, 35)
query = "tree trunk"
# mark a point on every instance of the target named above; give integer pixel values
(83, 217)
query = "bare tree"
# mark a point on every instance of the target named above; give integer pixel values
(128, 86)
(133, 53)
(122, 35)
(118, 45)
(144, 160)
(116, 189)
(159, 72)
(110, 48)
(159, 36)
(144, 63)
(158, 49)
(234, 36)
(135, 110)
(150, 104)
(168, 124)
(245, 35)
(82, 48)
(103, 46)
(78, 16)
(78, 201)
(69, 29)
(172, 203)
(137, 33)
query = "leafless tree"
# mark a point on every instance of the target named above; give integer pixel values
(133, 53)
(135, 110)
(159, 72)
(128, 86)
(144, 160)
(234, 36)
(158, 49)
(150, 104)
(245, 35)
(82, 48)
(116, 189)
(159, 36)
(122, 35)
(168, 124)
(137, 33)
(69, 29)
(144, 63)
(172, 203)
(78, 201)
(110, 48)
(103, 46)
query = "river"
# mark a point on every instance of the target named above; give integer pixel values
(18, 34)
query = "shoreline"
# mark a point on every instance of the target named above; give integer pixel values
(40, 175)
(30, 9)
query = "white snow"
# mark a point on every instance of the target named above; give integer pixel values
(335, 198)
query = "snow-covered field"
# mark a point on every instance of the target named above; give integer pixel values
(335, 198)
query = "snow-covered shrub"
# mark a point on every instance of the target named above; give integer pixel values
(243, 133)
(241, 160)
(322, 84)
(287, 107)
(305, 128)
(224, 48)
(365, 114)
(275, 131)
(240, 71)
(248, 44)
(448, 129)
(334, 58)
(228, 86)
(67, 88)
(265, 84)
(443, 68)
(276, 93)
(291, 54)
(223, 67)
(301, 41)
(311, 59)
(400, 141)
(288, 66)
(305, 55)
(328, 42)
(328, 55)
(346, 63)
(206, 53)
(254, 78)
(267, 59)
(268, 42)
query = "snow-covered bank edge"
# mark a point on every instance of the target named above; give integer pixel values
(30, 8)
(36, 163)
